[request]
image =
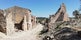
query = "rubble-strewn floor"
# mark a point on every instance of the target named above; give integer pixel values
(62, 34)
(24, 35)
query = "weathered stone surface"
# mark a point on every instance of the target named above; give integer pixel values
(67, 34)
(61, 15)
(62, 34)
(33, 20)
(9, 24)
(2, 22)
(24, 26)
(18, 13)
(29, 23)
(15, 19)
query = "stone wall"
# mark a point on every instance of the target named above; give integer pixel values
(24, 25)
(33, 21)
(18, 16)
(9, 24)
(15, 19)
(60, 15)
(2, 22)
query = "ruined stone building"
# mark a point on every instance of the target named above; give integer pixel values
(60, 15)
(15, 19)
(58, 18)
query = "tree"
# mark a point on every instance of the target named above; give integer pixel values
(80, 6)
(76, 13)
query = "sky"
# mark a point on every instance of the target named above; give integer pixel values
(42, 8)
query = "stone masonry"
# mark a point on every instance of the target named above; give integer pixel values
(24, 26)
(33, 21)
(2, 22)
(9, 24)
(15, 19)
(60, 15)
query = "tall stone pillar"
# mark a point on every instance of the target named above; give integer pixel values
(24, 24)
(9, 24)
(29, 20)
(33, 21)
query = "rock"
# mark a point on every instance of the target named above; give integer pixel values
(47, 38)
(79, 33)
(62, 34)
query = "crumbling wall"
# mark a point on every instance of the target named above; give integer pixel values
(9, 24)
(60, 15)
(24, 25)
(2, 22)
(33, 20)
(18, 16)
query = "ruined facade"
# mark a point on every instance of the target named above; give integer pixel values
(60, 15)
(17, 18)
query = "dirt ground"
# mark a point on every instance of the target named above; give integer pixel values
(24, 35)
